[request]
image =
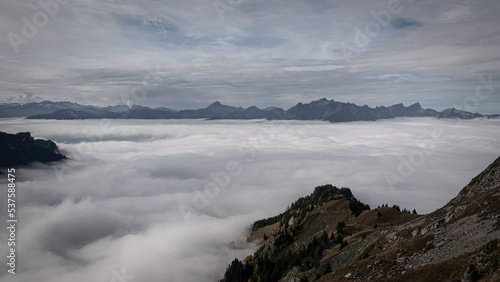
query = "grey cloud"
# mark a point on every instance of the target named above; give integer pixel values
(402, 23)
(97, 53)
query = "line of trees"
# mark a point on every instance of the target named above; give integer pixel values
(396, 207)
(261, 268)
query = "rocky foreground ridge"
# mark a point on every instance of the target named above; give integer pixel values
(21, 149)
(331, 236)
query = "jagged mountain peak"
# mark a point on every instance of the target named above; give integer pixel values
(322, 100)
(452, 113)
(215, 104)
(253, 108)
(218, 106)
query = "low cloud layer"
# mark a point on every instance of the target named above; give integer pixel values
(137, 199)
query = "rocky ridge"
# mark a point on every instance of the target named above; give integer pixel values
(458, 242)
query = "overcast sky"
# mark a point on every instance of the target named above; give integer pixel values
(250, 52)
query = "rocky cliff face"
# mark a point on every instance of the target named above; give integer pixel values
(458, 242)
(486, 180)
(21, 149)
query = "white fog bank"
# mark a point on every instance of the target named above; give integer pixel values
(161, 200)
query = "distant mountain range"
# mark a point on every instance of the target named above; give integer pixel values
(323, 109)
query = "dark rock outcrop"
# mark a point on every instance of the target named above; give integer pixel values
(21, 149)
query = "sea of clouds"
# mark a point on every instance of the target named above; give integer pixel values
(171, 200)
